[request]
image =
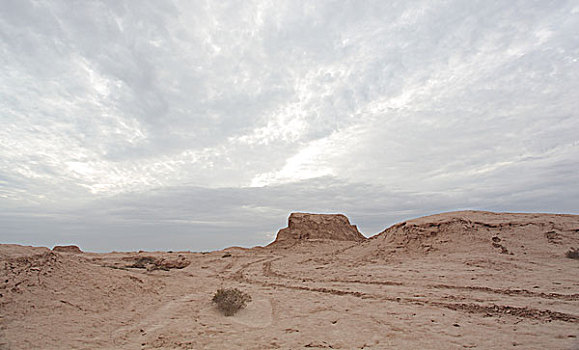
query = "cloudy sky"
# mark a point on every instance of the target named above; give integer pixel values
(196, 125)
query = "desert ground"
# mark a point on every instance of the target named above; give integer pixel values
(460, 280)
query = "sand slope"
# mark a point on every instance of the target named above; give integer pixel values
(535, 235)
(436, 282)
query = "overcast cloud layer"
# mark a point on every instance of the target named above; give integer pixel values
(202, 124)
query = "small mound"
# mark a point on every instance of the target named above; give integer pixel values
(305, 226)
(13, 251)
(51, 283)
(67, 249)
(153, 263)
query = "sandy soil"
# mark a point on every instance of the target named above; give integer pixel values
(464, 280)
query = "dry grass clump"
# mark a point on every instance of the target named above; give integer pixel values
(573, 253)
(231, 300)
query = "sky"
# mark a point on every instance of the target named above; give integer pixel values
(198, 125)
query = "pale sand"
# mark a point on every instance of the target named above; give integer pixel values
(434, 283)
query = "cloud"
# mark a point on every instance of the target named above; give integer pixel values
(197, 218)
(431, 105)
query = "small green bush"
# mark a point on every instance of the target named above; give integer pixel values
(573, 253)
(229, 301)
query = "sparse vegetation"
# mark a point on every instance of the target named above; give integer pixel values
(231, 300)
(573, 253)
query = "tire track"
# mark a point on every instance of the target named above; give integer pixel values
(270, 272)
(487, 310)
(511, 292)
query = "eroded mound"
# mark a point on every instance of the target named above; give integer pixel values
(152, 263)
(67, 249)
(305, 226)
(485, 232)
(46, 284)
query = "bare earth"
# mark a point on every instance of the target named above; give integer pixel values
(461, 280)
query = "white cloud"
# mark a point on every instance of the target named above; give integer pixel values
(116, 98)
(308, 163)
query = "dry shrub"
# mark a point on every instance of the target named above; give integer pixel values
(229, 301)
(573, 253)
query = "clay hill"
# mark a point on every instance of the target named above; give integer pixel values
(460, 280)
(67, 249)
(540, 235)
(305, 226)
